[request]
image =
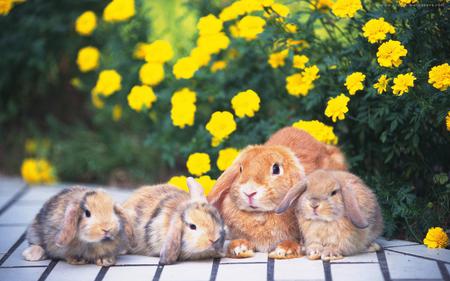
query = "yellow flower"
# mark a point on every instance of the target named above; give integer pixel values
(141, 97)
(201, 56)
(180, 182)
(402, 83)
(86, 23)
(447, 121)
(209, 24)
(439, 76)
(337, 107)
(198, 163)
(221, 125)
(390, 53)
(322, 4)
(375, 30)
(354, 82)
(277, 59)
(183, 108)
(250, 26)
(404, 3)
(245, 103)
(119, 10)
(300, 61)
(141, 50)
(213, 43)
(226, 158)
(97, 101)
(231, 12)
(215, 142)
(117, 112)
(185, 68)
(436, 238)
(109, 82)
(206, 182)
(346, 8)
(88, 58)
(311, 73)
(300, 83)
(5, 7)
(318, 130)
(151, 73)
(160, 51)
(218, 65)
(291, 28)
(382, 84)
(279, 9)
(36, 171)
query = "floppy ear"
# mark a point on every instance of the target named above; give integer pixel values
(223, 184)
(69, 225)
(351, 205)
(195, 190)
(127, 225)
(290, 197)
(171, 248)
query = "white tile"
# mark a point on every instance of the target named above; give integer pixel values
(299, 269)
(247, 272)
(389, 243)
(135, 273)
(187, 271)
(10, 184)
(119, 195)
(135, 259)
(22, 214)
(16, 258)
(21, 274)
(9, 235)
(39, 194)
(4, 198)
(363, 257)
(402, 267)
(67, 272)
(258, 257)
(344, 272)
(423, 251)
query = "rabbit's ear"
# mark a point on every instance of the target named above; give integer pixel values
(171, 248)
(195, 190)
(69, 225)
(223, 184)
(127, 225)
(351, 205)
(290, 197)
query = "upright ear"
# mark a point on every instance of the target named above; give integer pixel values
(127, 224)
(69, 225)
(351, 204)
(223, 184)
(195, 190)
(171, 248)
(290, 197)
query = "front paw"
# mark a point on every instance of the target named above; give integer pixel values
(286, 250)
(329, 254)
(314, 252)
(240, 248)
(34, 253)
(105, 261)
(76, 261)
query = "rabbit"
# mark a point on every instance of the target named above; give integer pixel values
(175, 225)
(337, 213)
(249, 191)
(79, 225)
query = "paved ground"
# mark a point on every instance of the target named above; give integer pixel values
(399, 260)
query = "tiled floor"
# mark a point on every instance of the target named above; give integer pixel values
(399, 260)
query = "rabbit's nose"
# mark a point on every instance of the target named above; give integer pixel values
(251, 194)
(314, 205)
(106, 230)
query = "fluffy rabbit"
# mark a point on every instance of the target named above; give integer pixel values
(248, 192)
(337, 213)
(79, 225)
(175, 225)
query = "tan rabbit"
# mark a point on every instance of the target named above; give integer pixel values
(175, 225)
(337, 213)
(79, 225)
(248, 192)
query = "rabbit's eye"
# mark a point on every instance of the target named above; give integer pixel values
(240, 168)
(334, 192)
(275, 169)
(87, 213)
(192, 226)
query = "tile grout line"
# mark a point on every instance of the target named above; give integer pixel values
(383, 265)
(327, 270)
(101, 274)
(270, 269)
(48, 270)
(417, 256)
(23, 266)
(444, 272)
(16, 197)
(214, 269)
(13, 248)
(158, 272)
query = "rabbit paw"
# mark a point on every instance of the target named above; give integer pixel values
(374, 247)
(240, 248)
(314, 252)
(34, 253)
(76, 261)
(105, 261)
(286, 250)
(329, 254)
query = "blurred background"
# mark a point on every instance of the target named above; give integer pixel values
(126, 92)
